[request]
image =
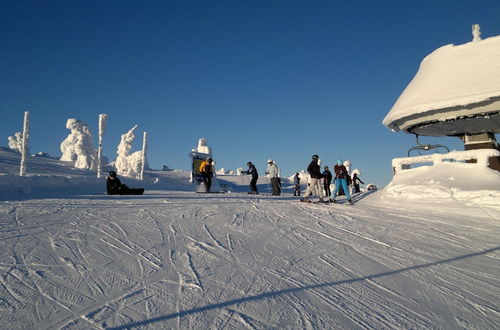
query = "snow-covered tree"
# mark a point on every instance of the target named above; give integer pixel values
(203, 146)
(476, 33)
(126, 163)
(78, 146)
(16, 142)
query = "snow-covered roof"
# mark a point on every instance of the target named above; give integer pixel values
(453, 82)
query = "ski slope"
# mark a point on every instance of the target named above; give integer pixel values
(174, 259)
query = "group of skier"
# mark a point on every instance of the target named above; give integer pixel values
(274, 176)
(206, 169)
(342, 180)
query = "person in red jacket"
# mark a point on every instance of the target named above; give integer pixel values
(341, 176)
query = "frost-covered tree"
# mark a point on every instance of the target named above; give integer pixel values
(203, 146)
(78, 146)
(16, 142)
(476, 33)
(126, 163)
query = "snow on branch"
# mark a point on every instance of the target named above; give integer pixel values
(16, 142)
(126, 163)
(78, 146)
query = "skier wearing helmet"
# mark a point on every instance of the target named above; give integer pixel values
(207, 171)
(115, 187)
(314, 171)
(341, 176)
(272, 170)
(255, 176)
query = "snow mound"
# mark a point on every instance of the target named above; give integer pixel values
(465, 183)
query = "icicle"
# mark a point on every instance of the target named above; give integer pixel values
(25, 146)
(102, 127)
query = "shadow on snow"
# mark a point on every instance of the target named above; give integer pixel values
(273, 294)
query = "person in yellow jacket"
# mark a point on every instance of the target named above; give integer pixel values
(207, 171)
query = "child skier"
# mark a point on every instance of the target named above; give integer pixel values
(296, 182)
(327, 180)
(356, 180)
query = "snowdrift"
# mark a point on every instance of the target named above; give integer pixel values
(473, 185)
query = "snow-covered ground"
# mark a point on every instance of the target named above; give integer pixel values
(421, 253)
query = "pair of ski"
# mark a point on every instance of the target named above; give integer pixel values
(324, 202)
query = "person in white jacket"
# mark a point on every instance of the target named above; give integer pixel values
(273, 172)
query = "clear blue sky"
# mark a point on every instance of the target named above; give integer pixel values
(258, 79)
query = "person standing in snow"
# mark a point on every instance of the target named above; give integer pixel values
(341, 177)
(356, 181)
(207, 171)
(296, 182)
(255, 176)
(314, 171)
(327, 180)
(273, 172)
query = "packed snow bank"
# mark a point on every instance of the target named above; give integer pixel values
(467, 183)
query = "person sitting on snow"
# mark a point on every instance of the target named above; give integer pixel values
(115, 187)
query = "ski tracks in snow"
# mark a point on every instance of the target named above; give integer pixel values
(233, 261)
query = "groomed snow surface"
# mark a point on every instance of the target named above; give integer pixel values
(422, 253)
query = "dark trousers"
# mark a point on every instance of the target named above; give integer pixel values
(356, 188)
(275, 184)
(253, 185)
(296, 192)
(207, 179)
(326, 184)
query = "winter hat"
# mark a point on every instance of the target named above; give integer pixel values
(270, 161)
(315, 157)
(112, 174)
(339, 161)
(209, 159)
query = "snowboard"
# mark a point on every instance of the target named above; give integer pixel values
(133, 191)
